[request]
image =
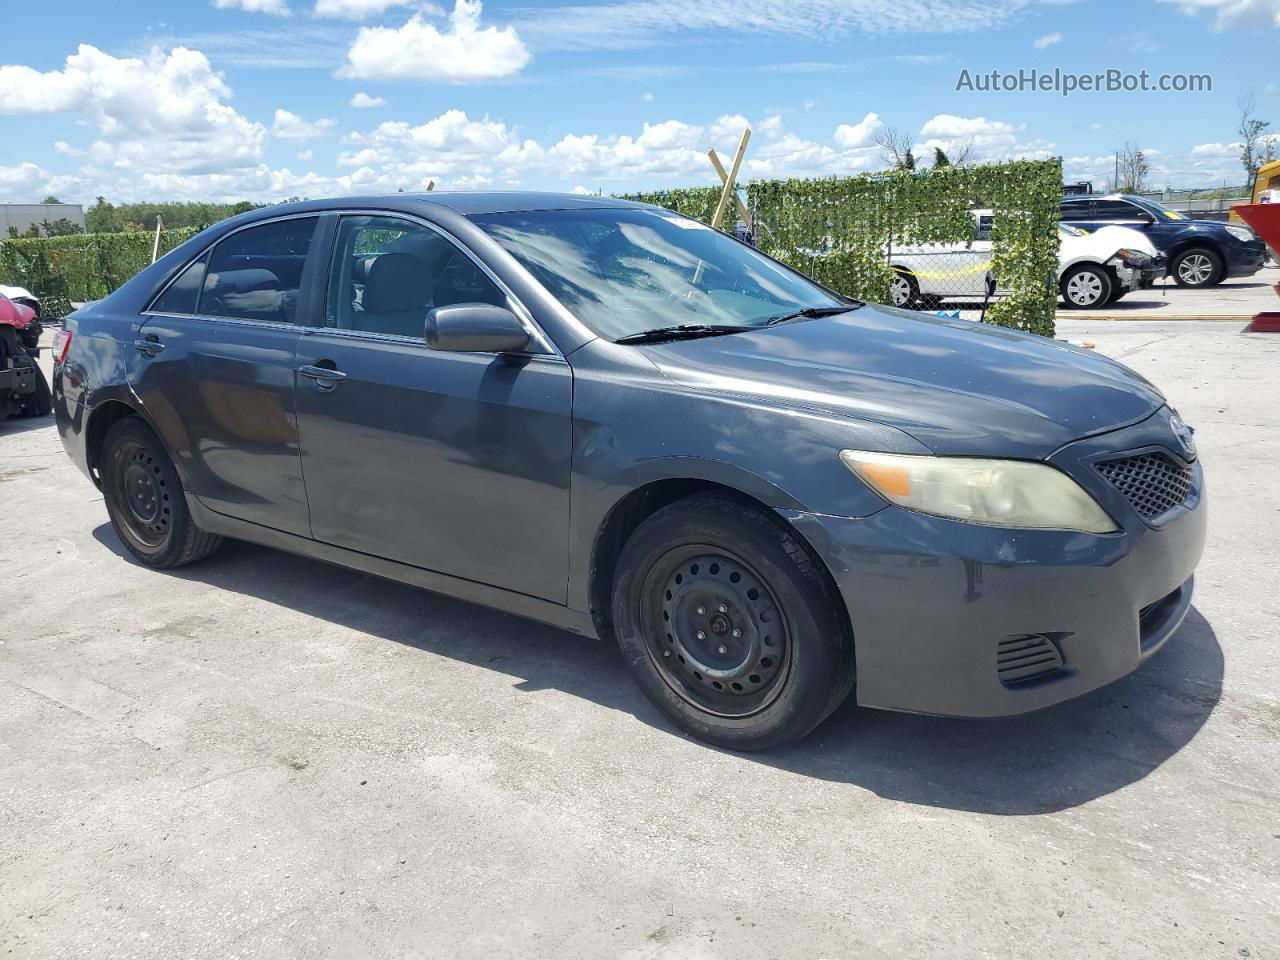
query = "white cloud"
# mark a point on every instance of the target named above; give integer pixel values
(1096, 126)
(648, 97)
(1235, 13)
(1216, 151)
(641, 23)
(306, 156)
(1048, 40)
(462, 52)
(948, 125)
(279, 8)
(290, 126)
(362, 101)
(451, 149)
(860, 134)
(164, 110)
(356, 9)
(986, 140)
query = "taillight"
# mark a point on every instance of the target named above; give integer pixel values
(61, 344)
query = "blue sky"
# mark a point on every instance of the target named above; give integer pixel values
(260, 99)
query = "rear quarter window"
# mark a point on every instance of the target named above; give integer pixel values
(181, 295)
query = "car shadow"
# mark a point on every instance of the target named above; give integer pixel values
(1043, 762)
(13, 426)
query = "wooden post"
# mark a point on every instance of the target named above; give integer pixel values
(723, 174)
(732, 179)
(155, 246)
(431, 185)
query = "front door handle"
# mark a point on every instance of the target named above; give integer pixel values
(322, 378)
(150, 345)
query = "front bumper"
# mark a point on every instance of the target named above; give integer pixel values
(1246, 259)
(936, 605)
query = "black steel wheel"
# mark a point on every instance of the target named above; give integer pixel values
(731, 624)
(715, 631)
(145, 499)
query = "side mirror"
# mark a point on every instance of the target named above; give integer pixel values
(475, 328)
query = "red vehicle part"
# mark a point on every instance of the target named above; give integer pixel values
(1265, 220)
(24, 392)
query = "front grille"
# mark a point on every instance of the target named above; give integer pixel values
(1024, 658)
(1153, 483)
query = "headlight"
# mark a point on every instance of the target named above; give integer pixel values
(1133, 257)
(1241, 233)
(995, 493)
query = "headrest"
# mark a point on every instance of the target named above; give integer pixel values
(396, 282)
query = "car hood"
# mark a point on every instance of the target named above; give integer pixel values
(961, 388)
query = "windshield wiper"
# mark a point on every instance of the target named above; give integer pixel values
(810, 313)
(683, 331)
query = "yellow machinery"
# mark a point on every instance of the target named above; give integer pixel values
(1268, 179)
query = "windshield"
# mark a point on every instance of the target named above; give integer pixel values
(1158, 210)
(625, 271)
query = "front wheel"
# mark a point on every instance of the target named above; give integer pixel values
(1197, 267)
(730, 624)
(1086, 286)
(145, 499)
(904, 290)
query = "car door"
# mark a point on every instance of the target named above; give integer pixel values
(454, 462)
(213, 365)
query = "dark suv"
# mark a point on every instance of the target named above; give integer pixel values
(1201, 253)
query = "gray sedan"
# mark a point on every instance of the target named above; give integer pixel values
(612, 418)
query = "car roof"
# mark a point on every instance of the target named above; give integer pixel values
(1075, 197)
(464, 202)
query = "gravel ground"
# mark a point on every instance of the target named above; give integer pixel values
(265, 756)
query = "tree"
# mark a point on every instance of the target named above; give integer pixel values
(1256, 147)
(962, 153)
(101, 218)
(1132, 170)
(62, 227)
(940, 159)
(895, 148)
(51, 199)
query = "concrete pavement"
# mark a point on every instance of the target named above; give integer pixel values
(265, 756)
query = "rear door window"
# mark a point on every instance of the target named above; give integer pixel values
(256, 273)
(1077, 210)
(1112, 210)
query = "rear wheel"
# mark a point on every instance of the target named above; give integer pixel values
(145, 499)
(730, 624)
(1197, 267)
(1087, 286)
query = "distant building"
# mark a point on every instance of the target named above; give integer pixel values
(22, 215)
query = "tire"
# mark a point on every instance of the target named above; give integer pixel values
(904, 290)
(730, 624)
(145, 500)
(1197, 267)
(1117, 294)
(1087, 286)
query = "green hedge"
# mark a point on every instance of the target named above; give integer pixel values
(83, 267)
(839, 230)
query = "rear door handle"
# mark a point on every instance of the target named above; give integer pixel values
(322, 378)
(150, 345)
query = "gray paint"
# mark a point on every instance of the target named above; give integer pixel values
(490, 476)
